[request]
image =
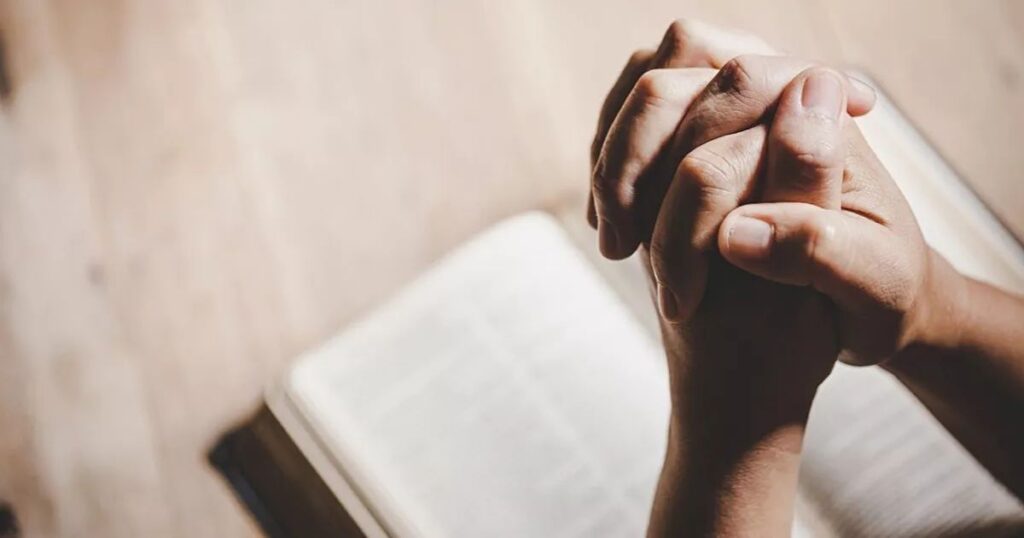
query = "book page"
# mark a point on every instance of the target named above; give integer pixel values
(876, 463)
(508, 392)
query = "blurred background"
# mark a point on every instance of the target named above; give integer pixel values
(192, 192)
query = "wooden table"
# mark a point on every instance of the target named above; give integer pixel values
(194, 191)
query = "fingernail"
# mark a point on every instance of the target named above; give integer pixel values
(750, 238)
(667, 303)
(609, 238)
(865, 89)
(823, 94)
(861, 85)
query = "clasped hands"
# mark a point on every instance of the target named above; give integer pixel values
(736, 168)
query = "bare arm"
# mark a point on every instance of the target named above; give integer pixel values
(733, 455)
(969, 371)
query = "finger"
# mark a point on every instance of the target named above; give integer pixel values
(686, 43)
(634, 68)
(693, 43)
(806, 152)
(861, 96)
(591, 210)
(838, 253)
(744, 90)
(710, 182)
(643, 128)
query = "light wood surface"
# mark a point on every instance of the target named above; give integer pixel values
(194, 191)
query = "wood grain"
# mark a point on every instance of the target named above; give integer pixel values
(194, 191)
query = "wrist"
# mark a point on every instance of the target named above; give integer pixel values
(942, 313)
(716, 436)
(717, 483)
(737, 397)
(732, 391)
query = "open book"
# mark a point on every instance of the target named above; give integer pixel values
(518, 388)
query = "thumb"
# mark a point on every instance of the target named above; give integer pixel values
(806, 154)
(837, 253)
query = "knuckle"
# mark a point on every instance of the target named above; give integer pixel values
(812, 170)
(601, 183)
(707, 171)
(819, 235)
(808, 161)
(651, 86)
(736, 76)
(663, 261)
(639, 57)
(679, 34)
(814, 162)
(609, 190)
(655, 87)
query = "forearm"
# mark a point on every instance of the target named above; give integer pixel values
(969, 372)
(716, 490)
(733, 454)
